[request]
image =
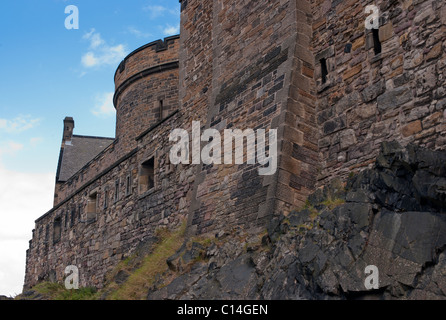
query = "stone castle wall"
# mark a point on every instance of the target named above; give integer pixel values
(142, 104)
(97, 242)
(373, 97)
(242, 67)
(125, 213)
(248, 64)
(145, 77)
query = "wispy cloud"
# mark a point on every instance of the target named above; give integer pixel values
(138, 33)
(100, 53)
(169, 30)
(94, 38)
(19, 124)
(157, 11)
(104, 105)
(10, 148)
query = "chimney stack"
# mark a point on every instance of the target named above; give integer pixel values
(68, 124)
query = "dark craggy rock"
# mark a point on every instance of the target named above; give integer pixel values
(391, 216)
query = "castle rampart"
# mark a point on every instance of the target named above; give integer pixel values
(332, 88)
(146, 89)
(122, 195)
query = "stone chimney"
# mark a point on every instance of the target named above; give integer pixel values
(68, 126)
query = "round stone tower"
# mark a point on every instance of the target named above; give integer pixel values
(146, 89)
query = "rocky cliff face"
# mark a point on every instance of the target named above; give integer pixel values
(392, 217)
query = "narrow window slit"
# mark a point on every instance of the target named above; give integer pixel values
(324, 70)
(161, 109)
(376, 42)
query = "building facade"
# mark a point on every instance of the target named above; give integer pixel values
(331, 87)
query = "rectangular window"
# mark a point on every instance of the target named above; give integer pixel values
(376, 42)
(66, 220)
(92, 205)
(128, 185)
(57, 229)
(105, 199)
(47, 233)
(79, 212)
(161, 109)
(117, 190)
(147, 176)
(73, 216)
(324, 70)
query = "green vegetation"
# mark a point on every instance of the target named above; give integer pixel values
(142, 275)
(133, 277)
(141, 279)
(57, 291)
(332, 203)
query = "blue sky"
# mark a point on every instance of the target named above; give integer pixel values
(49, 72)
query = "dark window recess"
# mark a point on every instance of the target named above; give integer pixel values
(146, 176)
(128, 185)
(106, 199)
(92, 205)
(66, 220)
(79, 212)
(117, 191)
(324, 70)
(161, 109)
(73, 216)
(57, 229)
(47, 233)
(348, 48)
(376, 42)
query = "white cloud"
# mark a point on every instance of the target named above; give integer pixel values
(94, 38)
(19, 124)
(35, 141)
(104, 105)
(23, 198)
(155, 11)
(89, 60)
(100, 53)
(10, 148)
(171, 30)
(138, 33)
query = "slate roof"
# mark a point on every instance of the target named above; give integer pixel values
(77, 153)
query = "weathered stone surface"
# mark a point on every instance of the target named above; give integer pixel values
(252, 64)
(393, 99)
(326, 259)
(347, 102)
(411, 128)
(347, 138)
(397, 86)
(351, 72)
(370, 93)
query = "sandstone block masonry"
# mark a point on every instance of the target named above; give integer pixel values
(333, 89)
(121, 195)
(380, 85)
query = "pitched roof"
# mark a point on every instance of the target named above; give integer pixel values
(77, 153)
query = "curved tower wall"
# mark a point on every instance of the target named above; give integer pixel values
(146, 89)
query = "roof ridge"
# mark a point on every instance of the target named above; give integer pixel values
(92, 137)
